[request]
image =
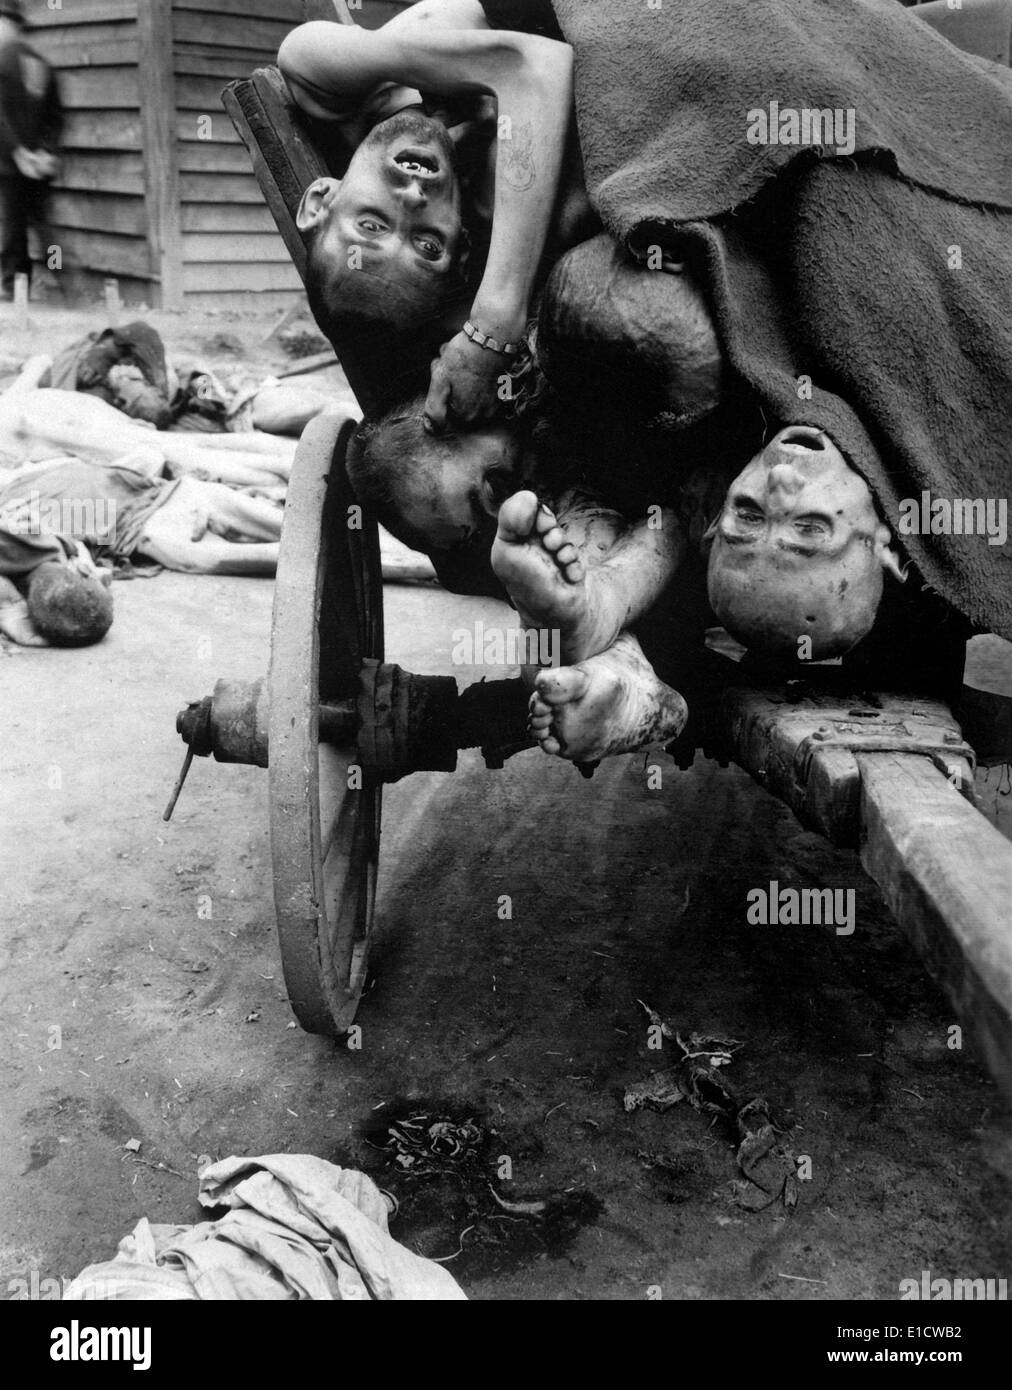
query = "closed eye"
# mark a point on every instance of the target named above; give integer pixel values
(371, 222)
(814, 525)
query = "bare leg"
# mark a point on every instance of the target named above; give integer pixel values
(177, 536)
(241, 470)
(231, 513)
(286, 410)
(590, 590)
(210, 555)
(226, 456)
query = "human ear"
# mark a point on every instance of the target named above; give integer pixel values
(314, 207)
(887, 557)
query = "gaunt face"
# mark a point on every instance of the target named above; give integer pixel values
(797, 549)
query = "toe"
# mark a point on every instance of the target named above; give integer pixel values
(568, 560)
(554, 539)
(562, 685)
(545, 519)
(551, 745)
(516, 517)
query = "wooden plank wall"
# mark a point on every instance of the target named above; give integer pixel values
(230, 246)
(97, 212)
(226, 246)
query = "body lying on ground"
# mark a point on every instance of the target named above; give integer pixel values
(53, 514)
(43, 423)
(126, 366)
(62, 601)
(182, 523)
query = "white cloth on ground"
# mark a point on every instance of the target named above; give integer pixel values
(298, 1228)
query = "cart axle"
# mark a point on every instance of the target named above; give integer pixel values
(398, 723)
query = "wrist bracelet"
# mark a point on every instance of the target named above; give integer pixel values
(492, 344)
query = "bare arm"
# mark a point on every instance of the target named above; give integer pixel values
(331, 68)
(531, 80)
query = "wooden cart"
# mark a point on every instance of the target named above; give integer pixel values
(890, 774)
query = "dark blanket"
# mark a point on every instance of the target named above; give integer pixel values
(836, 269)
(663, 96)
(86, 364)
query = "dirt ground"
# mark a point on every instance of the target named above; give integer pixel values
(130, 1015)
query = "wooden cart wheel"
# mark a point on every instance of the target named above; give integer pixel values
(328, 615)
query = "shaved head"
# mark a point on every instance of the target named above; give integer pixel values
(69, 608)
(799, 550)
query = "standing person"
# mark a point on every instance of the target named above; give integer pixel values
(31, 120)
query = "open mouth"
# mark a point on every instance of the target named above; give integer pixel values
(417, 162)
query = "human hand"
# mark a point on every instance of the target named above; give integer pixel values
(465, 381)
(18, 626)
(81, 561)
(34, 164)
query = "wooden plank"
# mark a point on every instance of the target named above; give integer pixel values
(89, 284)
(161, 169)
(213, 157)
(102, 130)
(103, 252)
(230, 217)
(290, 11)
(99, 212)
(285, 162)
(275, 275)
(212, 30)
(225, 188)
(97, 55)
(199, 93)
(102, 89)
(89, 45)
(219, 129)
(803, 747)
(237, 45)
(946, 874)
(104, 172)
(234, 248)
(82, 12)
(224, 64)
(283, 158)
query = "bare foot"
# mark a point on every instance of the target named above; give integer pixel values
(611, 703)
(548, 582)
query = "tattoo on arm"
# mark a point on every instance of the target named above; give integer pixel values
(516, 153)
